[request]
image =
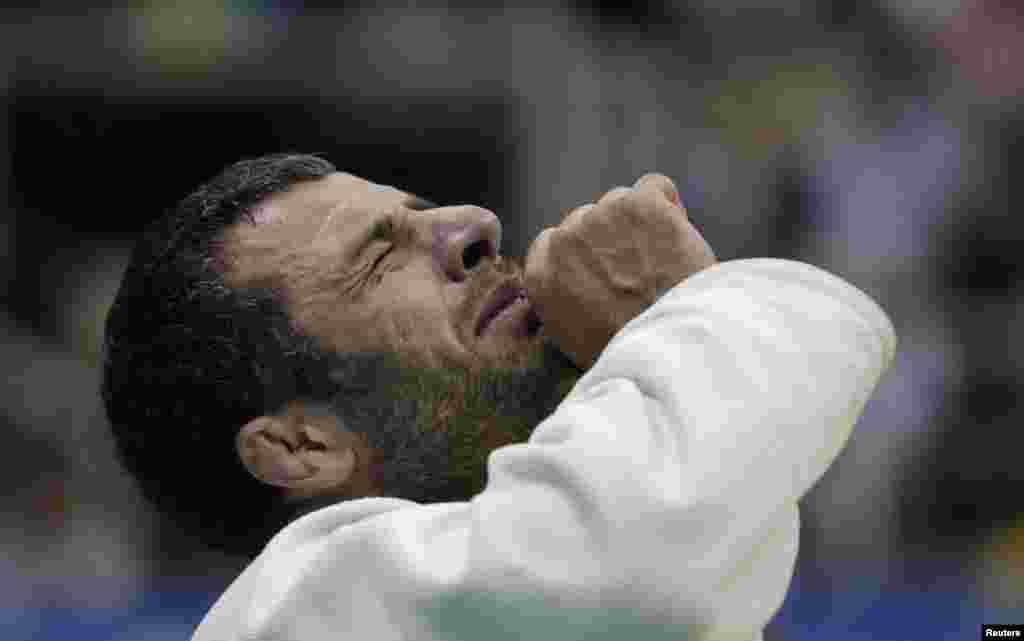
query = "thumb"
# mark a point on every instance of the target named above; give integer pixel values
(537, 267)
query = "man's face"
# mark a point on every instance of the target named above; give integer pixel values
(370, 269)
(365, 267)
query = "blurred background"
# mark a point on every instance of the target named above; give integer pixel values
(873, 138)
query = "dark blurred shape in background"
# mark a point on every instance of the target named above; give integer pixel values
(874, 139)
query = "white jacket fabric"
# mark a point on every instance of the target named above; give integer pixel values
(658, 502)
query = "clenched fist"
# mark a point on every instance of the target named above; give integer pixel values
(609, 261)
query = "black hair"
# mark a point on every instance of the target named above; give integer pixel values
(188, 360)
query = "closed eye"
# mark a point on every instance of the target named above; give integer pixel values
(383, 230)
(380, 258)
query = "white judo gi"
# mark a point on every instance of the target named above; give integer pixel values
(658, 502)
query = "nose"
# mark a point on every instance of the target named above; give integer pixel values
(463, 237)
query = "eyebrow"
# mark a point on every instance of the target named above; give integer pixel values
(418, 203)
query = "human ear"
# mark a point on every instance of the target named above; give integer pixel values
(301, 456)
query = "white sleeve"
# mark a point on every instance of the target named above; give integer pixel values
(657, 502)
(754, 372)
(676, 462)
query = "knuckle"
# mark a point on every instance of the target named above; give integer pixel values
(659, 184)
(536, 257)
(552, 236)
(648, 199)
(539, 257)
(629, 204)
(651, 178)
(615, 193)
(575, 217)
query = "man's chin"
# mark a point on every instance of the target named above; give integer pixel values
(526, 353)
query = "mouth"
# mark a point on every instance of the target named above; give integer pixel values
(505, 297)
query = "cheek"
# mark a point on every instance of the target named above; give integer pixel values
(414, 327)
(422, 332)
(339, 324)
(416, 305)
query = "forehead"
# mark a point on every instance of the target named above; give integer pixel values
(315, 220)
(316, 197)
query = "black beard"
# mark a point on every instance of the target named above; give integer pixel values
(432, 429)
